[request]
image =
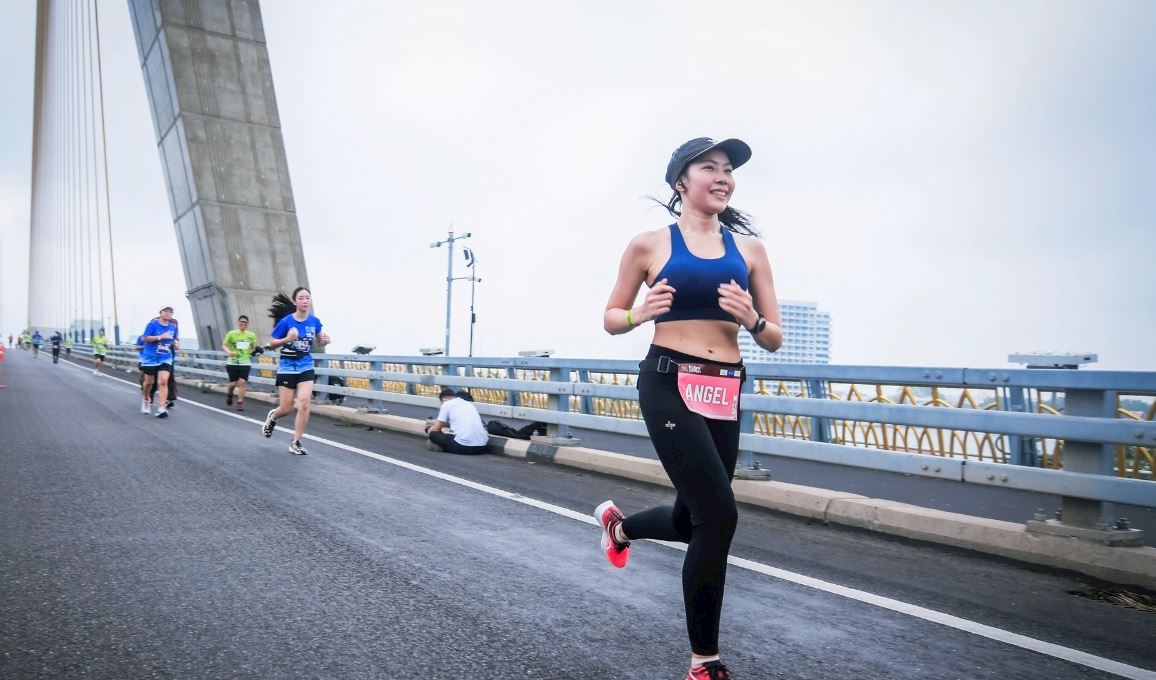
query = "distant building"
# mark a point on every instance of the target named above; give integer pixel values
(806, 337)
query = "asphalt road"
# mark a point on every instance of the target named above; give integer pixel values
(192, 547)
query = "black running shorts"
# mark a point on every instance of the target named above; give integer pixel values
(153, 370)
(237, 372)
(291, 380)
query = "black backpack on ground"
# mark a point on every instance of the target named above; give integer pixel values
(500, 429)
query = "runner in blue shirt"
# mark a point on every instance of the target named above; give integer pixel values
(160, 339)
(297, 334)
(37, 338)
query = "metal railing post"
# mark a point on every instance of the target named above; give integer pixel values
(1082, 517)
(1021, 450)
(560, 403)
(376, 384)
(748, 467)
(585, 404)
(1097, 459)
(451, 371)
(820, 427)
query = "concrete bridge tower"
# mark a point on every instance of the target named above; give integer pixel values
(206, 70)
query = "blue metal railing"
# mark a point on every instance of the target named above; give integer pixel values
(1088, 471)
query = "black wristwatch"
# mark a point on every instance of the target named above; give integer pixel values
(759, 325)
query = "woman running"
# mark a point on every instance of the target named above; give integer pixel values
(99, 350)
(297, 333)
(708, 277)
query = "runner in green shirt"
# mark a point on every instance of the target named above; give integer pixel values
(239, 344)
(99, 350)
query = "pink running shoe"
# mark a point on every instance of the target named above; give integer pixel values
(609, 516)
(711, 670)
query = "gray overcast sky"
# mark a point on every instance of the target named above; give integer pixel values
(953, 181)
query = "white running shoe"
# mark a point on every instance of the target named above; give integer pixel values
(162, 413)
(95, 372)
(296, 448)
(145, 407)
(270, 424)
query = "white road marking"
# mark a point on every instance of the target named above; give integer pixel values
(992, 633)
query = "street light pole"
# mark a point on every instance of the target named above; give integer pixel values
(472, 263)
(449, 277)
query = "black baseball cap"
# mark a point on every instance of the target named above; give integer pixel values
(736, 150)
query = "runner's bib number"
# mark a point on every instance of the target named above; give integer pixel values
(710, 390)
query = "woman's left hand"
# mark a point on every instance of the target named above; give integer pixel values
(738, 303)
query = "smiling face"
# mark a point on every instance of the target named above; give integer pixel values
(166, 315)
(707, 183)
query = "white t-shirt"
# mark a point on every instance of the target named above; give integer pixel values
(463, 419)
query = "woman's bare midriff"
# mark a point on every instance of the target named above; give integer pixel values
(703, 338)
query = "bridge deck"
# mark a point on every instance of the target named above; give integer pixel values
(193, 547)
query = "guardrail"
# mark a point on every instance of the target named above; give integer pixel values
(1004, 431)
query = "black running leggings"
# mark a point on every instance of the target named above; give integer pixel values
(699, 456)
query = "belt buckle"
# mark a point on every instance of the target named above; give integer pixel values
(664, 363)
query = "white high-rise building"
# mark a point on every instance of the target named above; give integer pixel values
(806, 337)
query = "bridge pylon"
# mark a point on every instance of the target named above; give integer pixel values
(210, 88)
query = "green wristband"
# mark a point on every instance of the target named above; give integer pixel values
(629, 319)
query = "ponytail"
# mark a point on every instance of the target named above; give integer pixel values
(282, 307)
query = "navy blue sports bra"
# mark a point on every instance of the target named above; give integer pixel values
(696, 280)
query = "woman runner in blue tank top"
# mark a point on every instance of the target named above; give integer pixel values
(708, 277)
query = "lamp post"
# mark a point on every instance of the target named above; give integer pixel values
(472, 263)
(449, 277)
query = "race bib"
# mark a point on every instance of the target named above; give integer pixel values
(710, 390)
(242, 344)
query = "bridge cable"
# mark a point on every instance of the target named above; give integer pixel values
(104, 154)
(66, 234)
(70, 151)
(50, 296)
(95, 175)
(47, 296)
(59, 289)
(70, 239)
(86, 223)
(86, 100)
(77, 230)
(81, 164)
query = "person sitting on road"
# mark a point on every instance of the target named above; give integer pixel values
(469, 434)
